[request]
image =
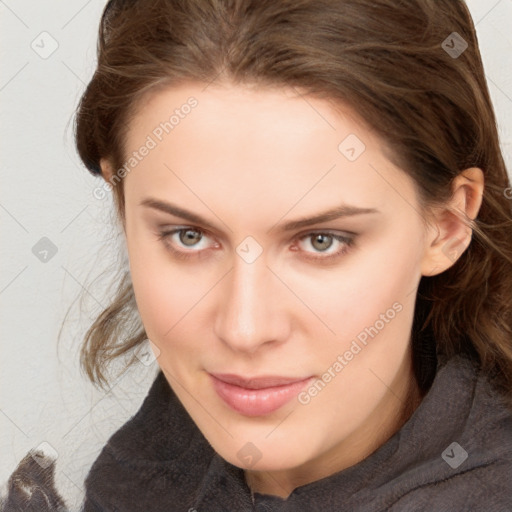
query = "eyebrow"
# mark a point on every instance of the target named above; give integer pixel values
(340, 211)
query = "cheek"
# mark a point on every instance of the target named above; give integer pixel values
(163, 298)
(352, 296)
(369, 305)
(168, 294)
(155, 286)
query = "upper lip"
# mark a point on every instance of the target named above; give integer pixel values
(267, 381)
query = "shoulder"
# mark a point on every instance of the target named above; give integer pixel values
(156, 459)
(472, 470)
(480, 489)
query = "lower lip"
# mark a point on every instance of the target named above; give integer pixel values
(257, 402)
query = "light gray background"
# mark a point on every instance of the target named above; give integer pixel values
(45, 192)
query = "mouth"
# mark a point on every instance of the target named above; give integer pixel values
(257, 396)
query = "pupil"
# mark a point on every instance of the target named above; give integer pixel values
(322, 240)
(186, 237)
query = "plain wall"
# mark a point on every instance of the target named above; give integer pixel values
(47, 204)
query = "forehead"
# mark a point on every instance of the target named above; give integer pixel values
(259, 143)
(247, 109)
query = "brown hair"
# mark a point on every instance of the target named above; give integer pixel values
(391, 59)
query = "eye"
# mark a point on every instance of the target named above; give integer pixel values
(186, 243)
(187, 237)
(323, 242)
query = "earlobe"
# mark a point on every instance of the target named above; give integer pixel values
(106, 169)
(451, 233)
(107, 172)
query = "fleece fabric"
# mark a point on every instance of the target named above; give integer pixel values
(453, 454)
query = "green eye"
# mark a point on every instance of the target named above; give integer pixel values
(322, 241)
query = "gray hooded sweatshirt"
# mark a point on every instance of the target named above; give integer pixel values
(453, 454)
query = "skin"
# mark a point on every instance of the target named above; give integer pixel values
(249, 160)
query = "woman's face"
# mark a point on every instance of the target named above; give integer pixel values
(268, 236)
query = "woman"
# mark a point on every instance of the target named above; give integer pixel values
(317, 217)
(318, 228)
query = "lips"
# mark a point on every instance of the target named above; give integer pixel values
(256, 382)
(257, 396)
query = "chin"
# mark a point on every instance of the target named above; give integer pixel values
(264, 456)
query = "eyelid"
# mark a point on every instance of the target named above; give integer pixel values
(347, 240)
(326, 231)
(313, 230)
(163, 233)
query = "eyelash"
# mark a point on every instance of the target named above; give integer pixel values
(164, 235)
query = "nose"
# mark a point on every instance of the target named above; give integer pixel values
(251, 309)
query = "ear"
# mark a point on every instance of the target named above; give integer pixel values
(449, 235)
(108, 174)
(107, 170)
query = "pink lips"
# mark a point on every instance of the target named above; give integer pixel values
(258, 396)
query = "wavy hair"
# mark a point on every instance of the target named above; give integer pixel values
(431, 107)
